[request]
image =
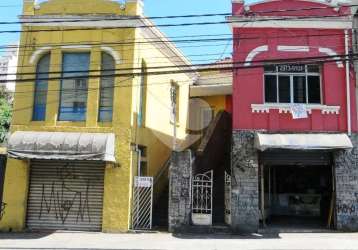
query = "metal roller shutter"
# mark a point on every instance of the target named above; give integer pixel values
(295, 157)
(65, 195)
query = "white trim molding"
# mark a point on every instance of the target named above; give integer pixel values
(325, 2)
(282, 22)
(77, 47)
(113, 53)
(284, 108)
(81, 21)
(36, 55)
(331, 52)
(288, 48)
(253, 53)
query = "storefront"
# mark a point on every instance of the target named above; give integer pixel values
(297, 178)
(297, 188)
(66, 179)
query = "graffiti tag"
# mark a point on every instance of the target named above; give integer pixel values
(61, 200)
(2, 210)
(346, 208)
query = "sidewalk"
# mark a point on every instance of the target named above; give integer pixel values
(161, 241)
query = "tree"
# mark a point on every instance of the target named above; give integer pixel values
(5, 114)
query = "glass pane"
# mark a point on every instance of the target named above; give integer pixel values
(284, 89)
(314, 89)
(270, 68)
(74, 89)
(299, 89)
(270, 88)
(107, 88)
(40, 95)
(313, 68)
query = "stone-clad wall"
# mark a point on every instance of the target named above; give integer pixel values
(179, 191)
(346, 166)
(245, 193)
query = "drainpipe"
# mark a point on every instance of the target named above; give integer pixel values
(139, 154)
(349, 124)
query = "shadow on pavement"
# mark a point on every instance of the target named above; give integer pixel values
(28, 235)
(227, 236)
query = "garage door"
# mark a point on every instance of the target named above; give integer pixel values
(65, 195)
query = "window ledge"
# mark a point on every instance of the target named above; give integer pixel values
(286, 108)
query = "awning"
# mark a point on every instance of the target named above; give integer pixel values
(62, 146)
(302, 141)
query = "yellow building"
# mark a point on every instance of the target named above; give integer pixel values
(214, 86)
(89, 114)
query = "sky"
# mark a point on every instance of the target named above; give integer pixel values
(198, 52)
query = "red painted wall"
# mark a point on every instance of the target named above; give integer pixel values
(248, 87)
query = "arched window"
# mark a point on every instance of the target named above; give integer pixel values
(107, 88)
(40, 95)
(142, 96)
(74, 86)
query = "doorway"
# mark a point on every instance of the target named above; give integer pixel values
(297, 193)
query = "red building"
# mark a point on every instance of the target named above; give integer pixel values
(294, 156)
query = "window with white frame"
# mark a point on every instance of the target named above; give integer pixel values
(292, 83)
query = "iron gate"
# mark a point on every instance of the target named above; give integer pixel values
(202, 199)
(227, 198)
(142, 203)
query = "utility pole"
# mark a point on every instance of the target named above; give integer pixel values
(173, 96)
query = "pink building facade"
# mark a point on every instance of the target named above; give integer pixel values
(294, 115)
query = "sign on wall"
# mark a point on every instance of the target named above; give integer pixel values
(299, 111)
(140, 181)
(291, 68)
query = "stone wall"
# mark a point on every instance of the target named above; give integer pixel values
(346, 167)
(179, 191)
(245, 193)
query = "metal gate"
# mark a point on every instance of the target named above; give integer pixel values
(227, 198)
(202, 199)
(65, 195)
(142, 203)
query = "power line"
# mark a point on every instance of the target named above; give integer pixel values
(74, 20)
(306, 60)
(168, 83)
(173, 25)
(60, 45)
(135, 41)
(197, 66)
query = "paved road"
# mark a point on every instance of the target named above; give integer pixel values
(163, 241)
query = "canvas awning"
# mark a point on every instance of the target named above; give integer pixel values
(62, 146)
(302, 141)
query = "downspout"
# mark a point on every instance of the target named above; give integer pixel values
(349, 123)
(139, 155)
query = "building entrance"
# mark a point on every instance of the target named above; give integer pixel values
(297, 193)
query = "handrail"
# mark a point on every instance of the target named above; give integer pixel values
(162, 171)
(210, 131)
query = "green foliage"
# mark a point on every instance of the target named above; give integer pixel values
(5, 115)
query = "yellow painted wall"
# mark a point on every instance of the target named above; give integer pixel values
(15, 195)
(156, 135)
(217, 103)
